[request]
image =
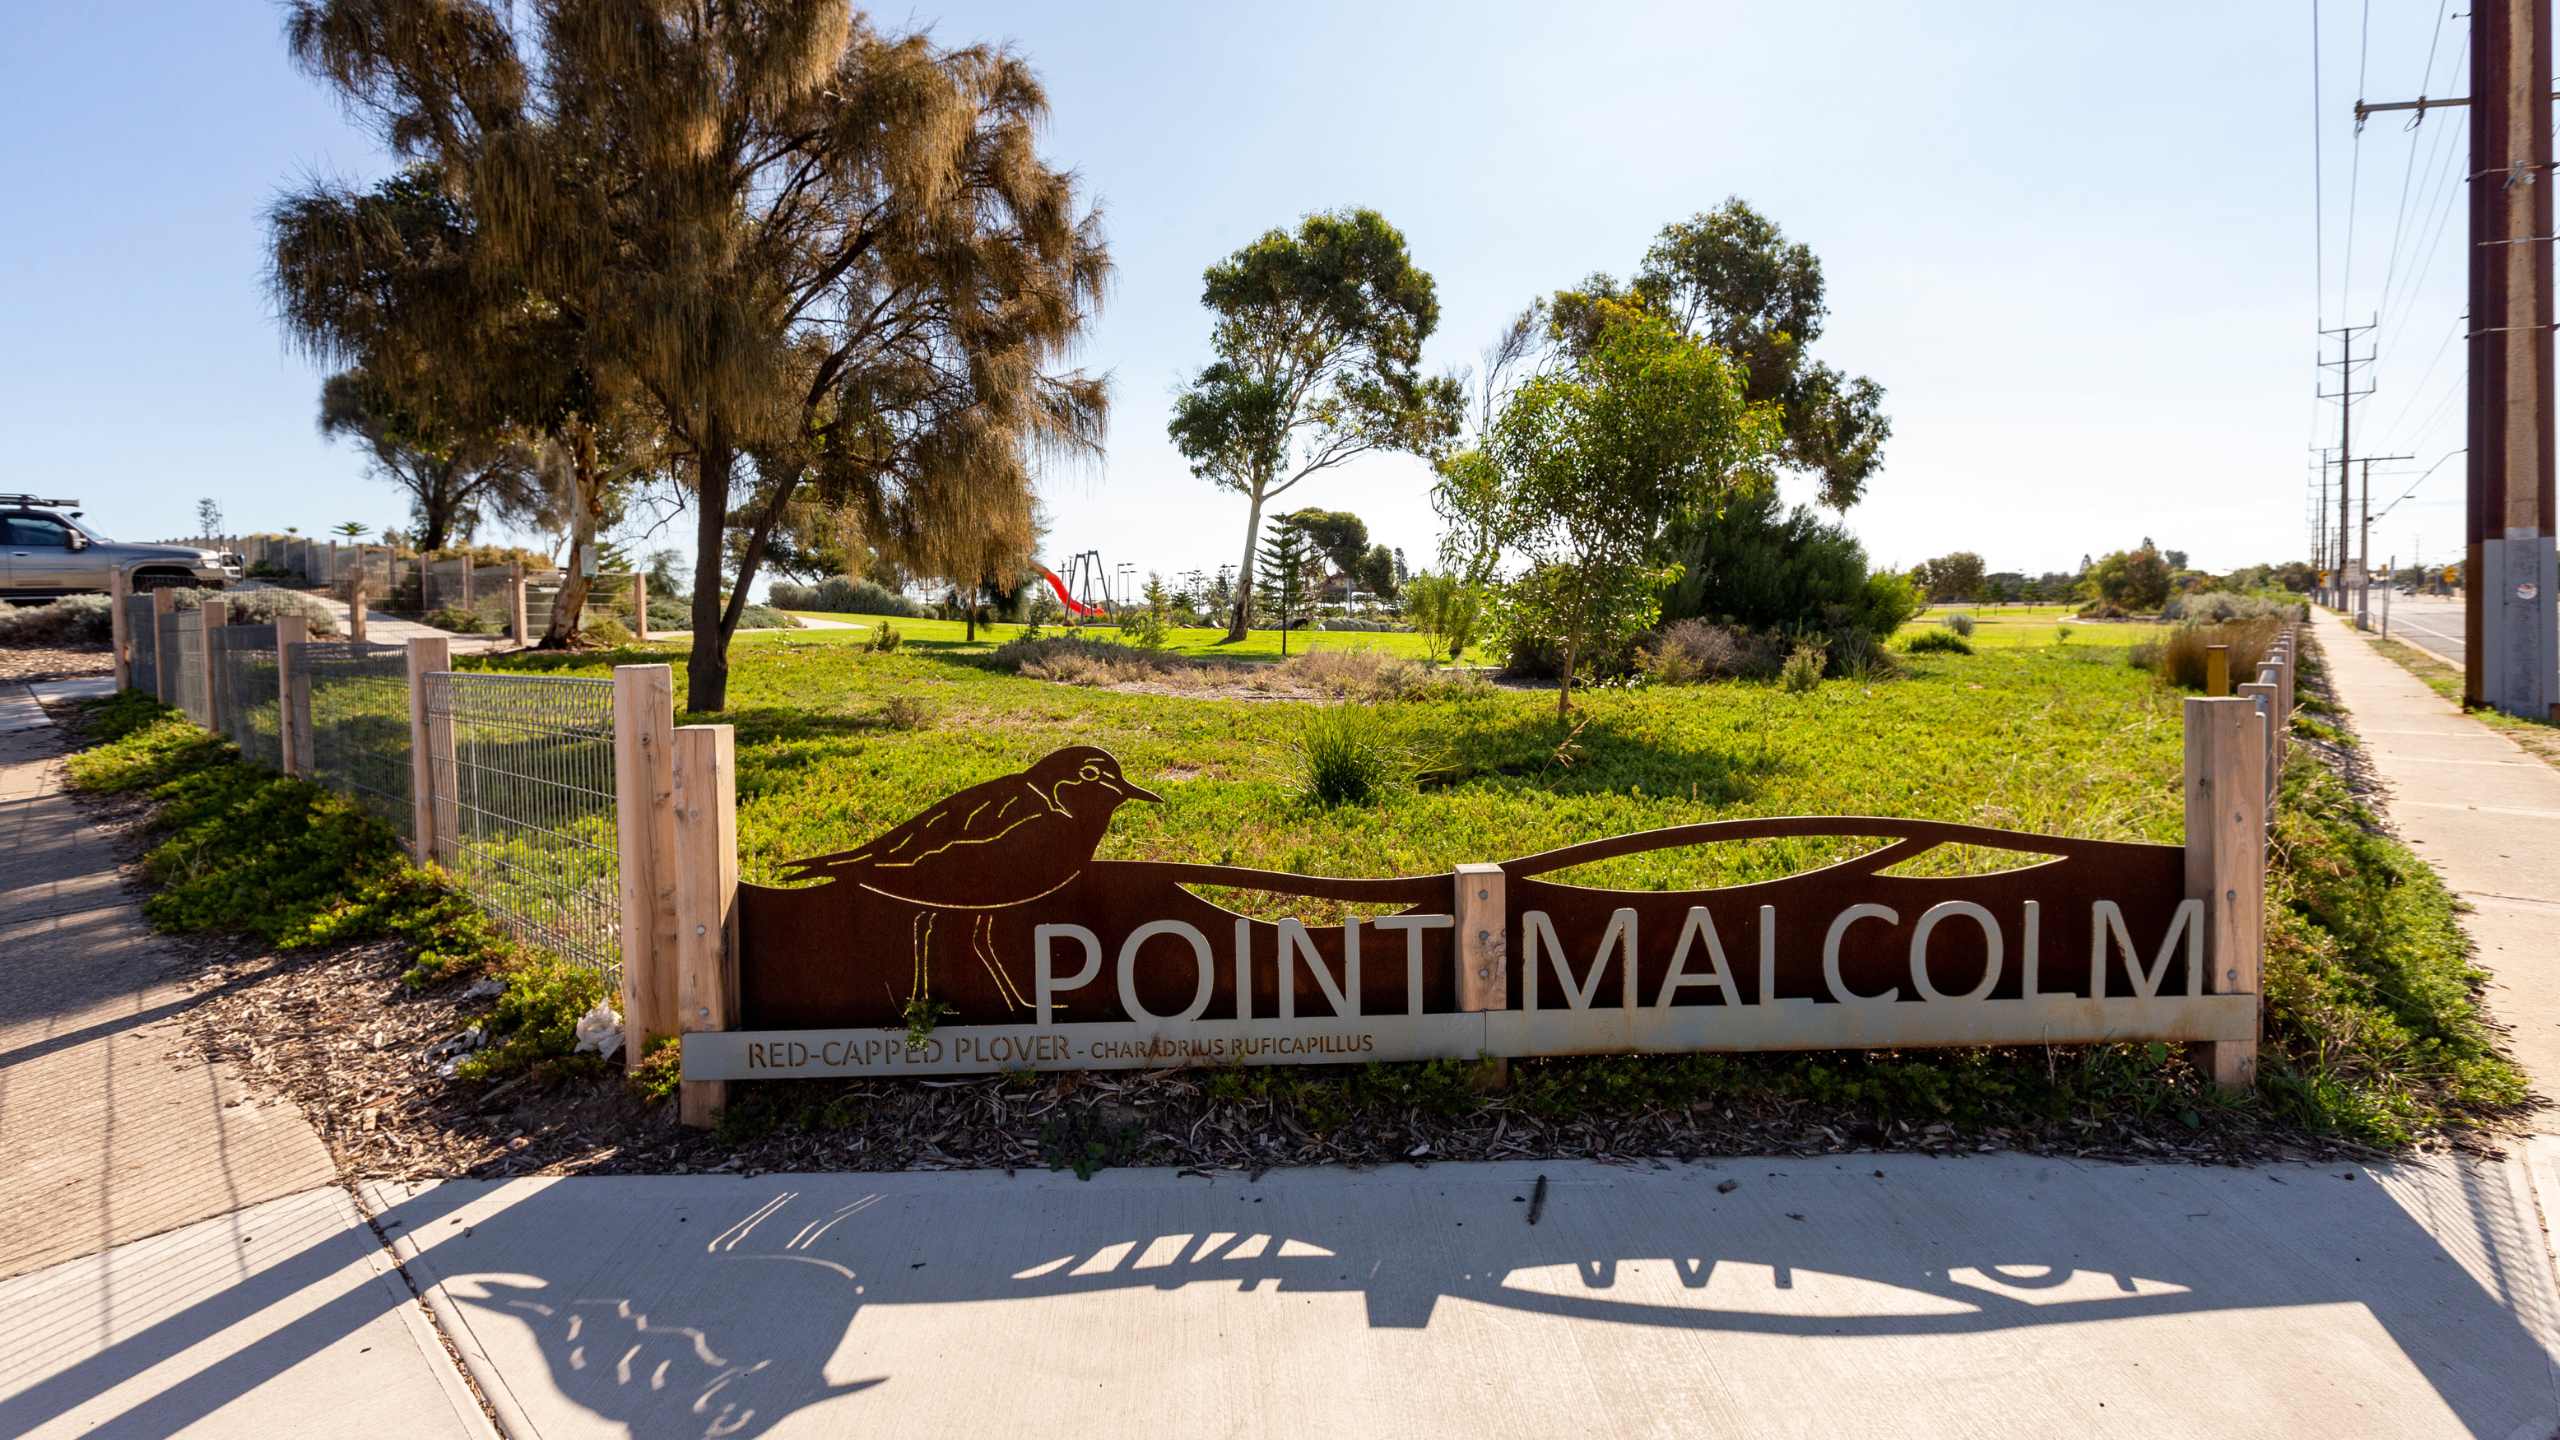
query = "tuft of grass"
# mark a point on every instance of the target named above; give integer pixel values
(1961, 623)
(886, 638)
(1939, 642)
(1348, 756)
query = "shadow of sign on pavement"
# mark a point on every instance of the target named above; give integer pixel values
(1850, 1294)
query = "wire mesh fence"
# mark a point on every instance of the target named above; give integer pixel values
(245, 698)
(446, 584)
(142, 631)
(521, 770)
(358, 699)
(187, 653)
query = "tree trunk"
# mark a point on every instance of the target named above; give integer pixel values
(1564, 691)
(435, 510)
(1243, 615)
(706, 670)
(586, 498)
(972, 617)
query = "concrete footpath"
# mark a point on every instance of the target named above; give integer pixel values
(175, 1255)
(1859, 1295)
(2486, 814)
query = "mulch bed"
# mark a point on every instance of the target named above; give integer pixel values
(54, 662)
(336, 1032)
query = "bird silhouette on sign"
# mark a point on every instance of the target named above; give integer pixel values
(990, 847)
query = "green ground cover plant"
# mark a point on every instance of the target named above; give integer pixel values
(240, 850)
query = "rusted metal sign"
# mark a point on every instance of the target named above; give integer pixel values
(989, 912)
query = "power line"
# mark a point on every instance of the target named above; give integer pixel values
(2409, 168)
(2319, 207)
(2355, 161)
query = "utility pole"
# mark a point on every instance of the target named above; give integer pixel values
(2511, 627)
(2364, 541)
(2508, 577)
(2346, 395)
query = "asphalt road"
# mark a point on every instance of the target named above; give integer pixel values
(2432, 623)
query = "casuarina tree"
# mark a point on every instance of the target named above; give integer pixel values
(1318, 337)
(833, 260)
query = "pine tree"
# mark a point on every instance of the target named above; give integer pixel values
(1284, 566)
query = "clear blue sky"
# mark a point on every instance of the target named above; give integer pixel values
(2073, 242)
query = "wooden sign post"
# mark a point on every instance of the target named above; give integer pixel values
(706, 863)
(2226, 862)
(644, 820)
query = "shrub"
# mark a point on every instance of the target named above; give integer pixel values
(265, 607)
(1346, 757)
(906, 712)
(1447, 609)
(603, 629)
(2217, 607)
(2179, 655)
(1962, 624)
(1937, 642)
(536, 1018)
(1356, 674)
(837, 595)
(72, 620)
(886, 639)
(458, 621)
(1688, 651)
(1803, 668)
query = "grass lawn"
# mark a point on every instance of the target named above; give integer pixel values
(2062, 738)
(951, 635)
(2010, 626)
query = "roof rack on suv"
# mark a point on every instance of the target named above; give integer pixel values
(36, 500)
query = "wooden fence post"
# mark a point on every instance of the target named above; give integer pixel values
(706, 855)
(2263, 693)
(216, 615)
(355, 610)
(468, 599)
(515, 601)
(644, 737)
(640, 607)
(2226, 862)
(292, 719)
(164, 679)
(2217, 670)
(427, 654)
(120, 626)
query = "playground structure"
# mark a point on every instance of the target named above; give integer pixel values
(1086, 589)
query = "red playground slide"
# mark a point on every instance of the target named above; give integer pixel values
(1073, 608)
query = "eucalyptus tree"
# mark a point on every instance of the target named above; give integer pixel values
(1318, 336)
(833, 260)
(1729, 276)
(1586, 463)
